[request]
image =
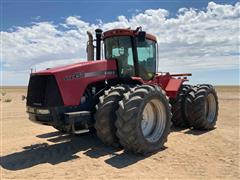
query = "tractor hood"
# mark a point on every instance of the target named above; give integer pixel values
(85, 66)
(72, 80)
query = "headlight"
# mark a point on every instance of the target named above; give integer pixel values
(43, 111)
(30, 110)
(37, 111)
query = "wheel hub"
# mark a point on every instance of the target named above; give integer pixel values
(210, 107)
(153, 120)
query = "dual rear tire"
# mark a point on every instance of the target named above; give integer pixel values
(179, 107)
(203, 108)
(195, 106)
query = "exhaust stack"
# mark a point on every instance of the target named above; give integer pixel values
(90, 47)
(98, 43)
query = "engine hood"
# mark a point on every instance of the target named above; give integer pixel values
(73, 79)
(86, 66)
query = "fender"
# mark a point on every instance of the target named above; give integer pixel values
(167, 82)
(173, 87)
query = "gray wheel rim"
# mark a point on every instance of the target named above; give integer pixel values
(154, 120)
(210, 107)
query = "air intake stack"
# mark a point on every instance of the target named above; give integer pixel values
(90, 47)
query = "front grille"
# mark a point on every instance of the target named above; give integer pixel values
(43, 91)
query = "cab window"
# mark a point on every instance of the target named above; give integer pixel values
(120, 48)
(146, 59)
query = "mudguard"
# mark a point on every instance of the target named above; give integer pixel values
(166, 81)
(173, 87)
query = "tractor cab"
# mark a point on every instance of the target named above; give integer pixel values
(134, 50)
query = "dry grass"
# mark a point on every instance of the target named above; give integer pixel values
(10, 89)
(8, 100)
(3, 92)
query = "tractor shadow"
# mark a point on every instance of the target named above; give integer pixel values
(65, 148)
(119, 160)
(198, 132)
(190, 131)
(177, 129)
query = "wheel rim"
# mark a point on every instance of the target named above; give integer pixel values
(210, 107)
(154, 120)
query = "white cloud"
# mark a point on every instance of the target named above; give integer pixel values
(193, 40)
(55, 63)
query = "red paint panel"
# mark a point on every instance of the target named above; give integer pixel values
(168, 83)
(86, 65)
(173, 87)
(73, 89)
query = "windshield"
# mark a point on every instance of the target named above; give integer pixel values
(120, 48)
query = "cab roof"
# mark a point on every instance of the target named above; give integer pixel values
(126, 32)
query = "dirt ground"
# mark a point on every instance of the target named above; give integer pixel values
(32, 151)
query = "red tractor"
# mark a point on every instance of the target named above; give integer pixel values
(122, 97)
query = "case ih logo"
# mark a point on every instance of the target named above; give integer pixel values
(90, 74)
(74, 76)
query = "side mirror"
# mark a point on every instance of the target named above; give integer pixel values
(141, 36)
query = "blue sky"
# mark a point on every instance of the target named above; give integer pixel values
(23, 12)
(42, 22)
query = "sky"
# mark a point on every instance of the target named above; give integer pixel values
(200, 37)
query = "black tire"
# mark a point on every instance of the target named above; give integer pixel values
(130, 116)
(204, 111)
(179, 118)
(105, 115)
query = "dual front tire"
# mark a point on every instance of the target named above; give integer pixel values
(105, 116)
(144, 119)
(140, 119)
